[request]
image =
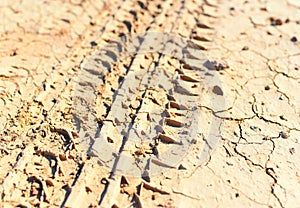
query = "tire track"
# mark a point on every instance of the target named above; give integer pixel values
(119, 105)
(108, 35)
(127, 17)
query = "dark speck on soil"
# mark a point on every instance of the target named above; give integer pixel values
(294, 39)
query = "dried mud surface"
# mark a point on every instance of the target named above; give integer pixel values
(256, 161)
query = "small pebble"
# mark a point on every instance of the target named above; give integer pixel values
(282, 118)
(216, 65)
(181, 167)
(294, 39)
(146, 176)
(245, 48)
(93, 43)
(275, 22)
(153, 197)
(217, 90)
(284, 135)
(292, 150)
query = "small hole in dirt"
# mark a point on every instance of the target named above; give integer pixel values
(237, 195)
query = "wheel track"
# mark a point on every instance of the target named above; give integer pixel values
(60, 83)
(105, 34)
(228, 172)
(103, 38)
(114, 191)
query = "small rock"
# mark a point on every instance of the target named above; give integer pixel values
(153, 196)
(282, 118)
(216, 65)
(294, 39)
(146, 176)
(292, 150)
(93, 43)
(181, 167)
(284, 135)
(110, 140)
(13, 52)
(88, 189)
(217, 90)
(245, 48)
(62, 157)
(275, 21)
(124, 181)
(49, 182)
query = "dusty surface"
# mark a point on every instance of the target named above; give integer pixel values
(255, 163)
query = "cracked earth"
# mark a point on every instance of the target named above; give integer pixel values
(254, 49)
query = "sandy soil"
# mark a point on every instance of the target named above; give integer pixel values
(45, 48)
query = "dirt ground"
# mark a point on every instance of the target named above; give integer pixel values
(254, 47)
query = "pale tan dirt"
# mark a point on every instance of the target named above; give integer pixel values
(257, 160)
